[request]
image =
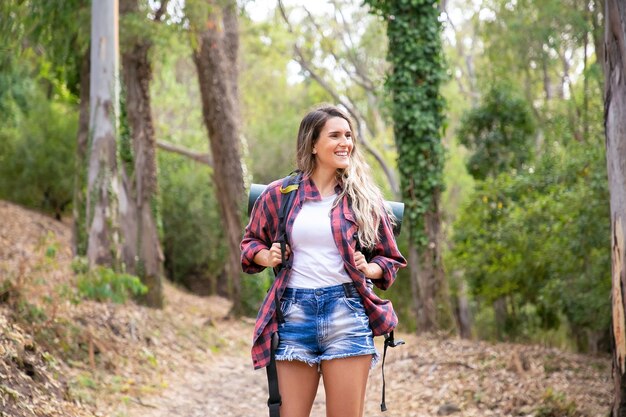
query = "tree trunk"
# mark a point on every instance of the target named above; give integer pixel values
(434, 300)
(141, 250)
(79, 228)
(500, 316)
(615, 129)
(463, 311)
(547, 82)
(414, 273)
(102, 180)
(216, 62)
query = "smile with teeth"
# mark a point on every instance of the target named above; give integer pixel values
(342, 153)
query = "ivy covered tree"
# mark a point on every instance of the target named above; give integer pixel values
(417, 72)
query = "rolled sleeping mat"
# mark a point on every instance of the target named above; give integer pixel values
(396, 207)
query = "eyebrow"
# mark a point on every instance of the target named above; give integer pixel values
(339, 131)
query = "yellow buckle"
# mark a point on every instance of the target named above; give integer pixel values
(289, 188)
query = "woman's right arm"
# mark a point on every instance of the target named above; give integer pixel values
(256, 238)
(257, 250)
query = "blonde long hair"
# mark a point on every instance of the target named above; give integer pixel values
(365, 197)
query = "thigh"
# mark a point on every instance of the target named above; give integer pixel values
(344, 383)
(298, 384)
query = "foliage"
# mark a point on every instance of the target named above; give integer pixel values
(37, 145)
(555, 404)
(498, 133)
(36, 26)
(193, 243)
(534, 239)
(414, 30)
(104, 284)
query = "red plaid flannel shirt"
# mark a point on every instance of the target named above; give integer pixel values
(262, 231)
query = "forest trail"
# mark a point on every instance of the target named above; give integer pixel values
(188, 360)
(426, 377)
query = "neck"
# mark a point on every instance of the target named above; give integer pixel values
(325, 181)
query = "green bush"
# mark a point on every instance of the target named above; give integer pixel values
(37, 154)
(537, 240)
(104, 284)
(193, 238)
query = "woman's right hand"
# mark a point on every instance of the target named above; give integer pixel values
(271, 257)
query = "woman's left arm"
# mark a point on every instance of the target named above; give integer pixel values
(386, 259)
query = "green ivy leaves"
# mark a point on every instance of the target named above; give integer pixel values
(415, 53)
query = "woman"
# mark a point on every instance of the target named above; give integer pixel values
(325, 287)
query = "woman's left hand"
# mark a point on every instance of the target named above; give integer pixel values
(370, 270)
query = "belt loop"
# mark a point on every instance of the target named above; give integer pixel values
(347, 289)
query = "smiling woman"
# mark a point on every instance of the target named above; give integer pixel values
(323, 274)
(334, 146)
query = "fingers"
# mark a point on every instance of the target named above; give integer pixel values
(360, 261)
(275, 256)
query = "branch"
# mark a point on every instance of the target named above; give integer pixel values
(161, 11)
(203, 158)
(364, 81)
(352, 110)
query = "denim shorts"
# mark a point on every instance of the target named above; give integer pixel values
(324, 324)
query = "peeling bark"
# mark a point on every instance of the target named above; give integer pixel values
(102, 179)
(615, 130)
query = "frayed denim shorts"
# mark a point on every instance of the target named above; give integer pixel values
(323, 324)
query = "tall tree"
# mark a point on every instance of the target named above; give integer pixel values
(415, 54)
(141, 250)
(615, 128)
(104, 190)
(216, 40)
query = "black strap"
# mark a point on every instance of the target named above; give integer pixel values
(290, 184)
(389, 342)
(274, 401)
(389, 339)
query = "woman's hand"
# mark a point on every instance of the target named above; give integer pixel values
(271, 257)
(370, 270)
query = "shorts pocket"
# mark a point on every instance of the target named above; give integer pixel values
(354, 304)
(286, 306)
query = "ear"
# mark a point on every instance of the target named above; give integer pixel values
(314, 151)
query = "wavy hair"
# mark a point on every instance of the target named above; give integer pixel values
(357, 183)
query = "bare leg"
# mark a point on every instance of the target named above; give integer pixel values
(298, 383)
(344, 383)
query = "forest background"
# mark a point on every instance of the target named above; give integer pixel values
(525, 220)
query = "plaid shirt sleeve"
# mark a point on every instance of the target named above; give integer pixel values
(261, 229)
(386, 254)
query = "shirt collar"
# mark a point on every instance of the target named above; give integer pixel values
(309, 190)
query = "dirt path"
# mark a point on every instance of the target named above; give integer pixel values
(426, 377)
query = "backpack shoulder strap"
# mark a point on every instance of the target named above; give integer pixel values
(290, 184)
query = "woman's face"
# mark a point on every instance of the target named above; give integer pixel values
(334, 145)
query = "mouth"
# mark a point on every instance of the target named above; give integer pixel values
(342, 154)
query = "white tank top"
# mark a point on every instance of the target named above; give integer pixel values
(317, 262)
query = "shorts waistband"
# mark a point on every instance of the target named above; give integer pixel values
(347, 289)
